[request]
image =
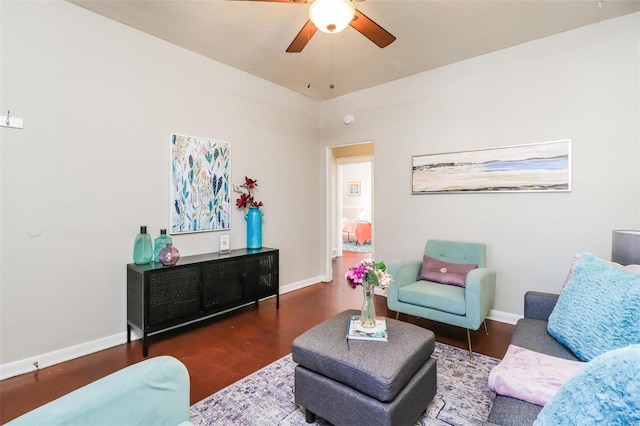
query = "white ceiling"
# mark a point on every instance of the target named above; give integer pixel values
(253, 35)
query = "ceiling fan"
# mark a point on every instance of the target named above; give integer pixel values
(323, 17)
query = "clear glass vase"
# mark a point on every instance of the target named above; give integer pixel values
(368, 315)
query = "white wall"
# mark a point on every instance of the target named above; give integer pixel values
(99, 102)
(352, 205)
(581, 85)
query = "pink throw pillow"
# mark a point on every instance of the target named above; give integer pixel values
(445, 272)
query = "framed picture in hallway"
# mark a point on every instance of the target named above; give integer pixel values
(354, 188)
(538, 167)
(200, 196)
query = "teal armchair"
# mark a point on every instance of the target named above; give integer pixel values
(465, 307)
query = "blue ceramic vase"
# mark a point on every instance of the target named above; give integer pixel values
(254, 228)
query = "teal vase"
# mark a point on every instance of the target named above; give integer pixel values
(160, 243)
(254, 228)
(142, 248)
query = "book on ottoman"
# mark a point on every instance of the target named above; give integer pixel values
(355, 331)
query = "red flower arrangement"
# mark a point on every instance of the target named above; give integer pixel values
(246, 194)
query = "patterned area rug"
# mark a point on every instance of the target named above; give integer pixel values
(266, 396)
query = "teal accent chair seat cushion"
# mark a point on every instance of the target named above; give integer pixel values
(465, 307)
(446, 298)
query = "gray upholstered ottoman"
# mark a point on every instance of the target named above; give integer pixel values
(366, 383)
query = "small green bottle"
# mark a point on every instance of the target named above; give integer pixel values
(160, 243)
(142, 249)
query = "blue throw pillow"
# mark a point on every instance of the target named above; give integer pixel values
(605, 392)
(598, 310)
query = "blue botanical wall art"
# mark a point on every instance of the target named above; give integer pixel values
(200, 196)
(538, 167)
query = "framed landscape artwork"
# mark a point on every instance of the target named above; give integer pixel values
(200, 197)
(354, 188)
(540, 167)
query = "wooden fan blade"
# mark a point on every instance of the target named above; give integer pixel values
(302, 38)
(371, 30)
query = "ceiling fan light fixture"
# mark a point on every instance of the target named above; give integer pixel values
(331, 16)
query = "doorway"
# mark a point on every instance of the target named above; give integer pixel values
(350, 206)
(355, 204)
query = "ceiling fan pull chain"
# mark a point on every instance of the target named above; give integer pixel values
(308, 61)
(331, 86)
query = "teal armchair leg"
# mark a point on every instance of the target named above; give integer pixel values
(469, 338)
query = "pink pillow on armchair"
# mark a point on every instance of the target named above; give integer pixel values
(445, 272)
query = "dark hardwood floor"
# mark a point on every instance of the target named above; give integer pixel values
(229, 347)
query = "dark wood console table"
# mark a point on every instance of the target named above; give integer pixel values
(161, 298)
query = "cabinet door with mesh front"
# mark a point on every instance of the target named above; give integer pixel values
(262, 275)
(173, 293)
(222, 283)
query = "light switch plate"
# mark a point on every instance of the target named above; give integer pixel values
(224, 244)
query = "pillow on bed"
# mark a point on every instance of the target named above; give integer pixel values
(605, 392)
(364, 215)
(598, 310)
(444, 272)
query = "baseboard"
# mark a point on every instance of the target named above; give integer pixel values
(28, 365)
(48, 359)
(301, 284)
(505, 317)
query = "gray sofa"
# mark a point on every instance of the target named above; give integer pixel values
(530, 333)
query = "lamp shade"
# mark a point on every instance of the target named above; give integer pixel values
(331, 16)
(625, 247)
